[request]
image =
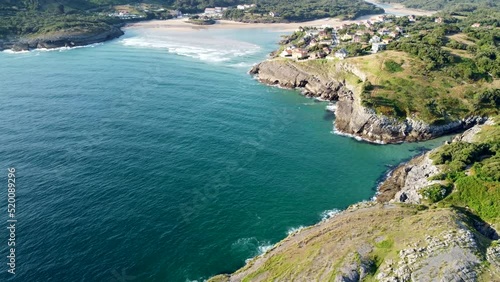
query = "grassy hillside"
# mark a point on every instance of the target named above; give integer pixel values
(369, 243)
(471, 172)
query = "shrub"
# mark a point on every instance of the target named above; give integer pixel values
(392, 66)
(436, 192)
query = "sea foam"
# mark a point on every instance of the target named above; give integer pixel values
(329, 214)
(207, 49)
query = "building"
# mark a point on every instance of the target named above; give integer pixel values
(411, 18)
(383, 32)
(300, 54)
(394, 34)
(341, 54)
(286, 53)
(476, 25)
(375, 39)
(324, 35)
(376, 47)
(438, 20)
(274, 14)
(176, 13)
(209, 11)
(240, 7)
(356, 39)
(346, 37)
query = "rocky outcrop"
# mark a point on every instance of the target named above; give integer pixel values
(287, 74)
(62, 39)
(404, 183)
(377, 242)
(352, 118)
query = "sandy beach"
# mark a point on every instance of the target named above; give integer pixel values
(184, 25)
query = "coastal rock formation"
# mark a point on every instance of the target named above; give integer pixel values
(288, 75)
(351, 117)
(404, 183)
(386, 240)
(377, 242)
(62, 39)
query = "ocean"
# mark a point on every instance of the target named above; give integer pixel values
(156, 157)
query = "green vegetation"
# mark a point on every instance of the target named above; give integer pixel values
(473, 169)
(302, 10)
(448, 70)
(436, 192)
(201, 20)
(371, 236)
(435, 5)
(29, 17)
(29, 23)
(392, 66)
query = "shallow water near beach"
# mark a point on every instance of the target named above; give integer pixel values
(156, 157)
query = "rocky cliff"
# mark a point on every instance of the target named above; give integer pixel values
(404, 183)
(379, 242)
(61, 39)
(351, 117)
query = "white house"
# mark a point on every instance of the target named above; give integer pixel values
(210, 11)
(299, 54)
(286, 53)
(341, 54)
(374, 39)
(378, 47)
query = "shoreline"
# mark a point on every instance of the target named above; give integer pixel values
(183, 25)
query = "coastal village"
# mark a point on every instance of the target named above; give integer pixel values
(340, 42)
(348, 40)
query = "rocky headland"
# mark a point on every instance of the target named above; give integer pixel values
(393, 238)
(341, 85)
(61, 39)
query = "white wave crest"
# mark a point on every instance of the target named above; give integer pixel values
(204, 49)
(58, 49)
(293, 230)
(329, 214)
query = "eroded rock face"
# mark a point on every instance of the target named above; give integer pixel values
(404, 183)
(284, 74)
(351, 117)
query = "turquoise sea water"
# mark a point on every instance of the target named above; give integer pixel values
(156, 156)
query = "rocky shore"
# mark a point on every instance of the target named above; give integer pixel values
(390, 239)
(352, 118)
(62, 39)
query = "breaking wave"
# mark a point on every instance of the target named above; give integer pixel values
(329, 214)
(212, 50)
